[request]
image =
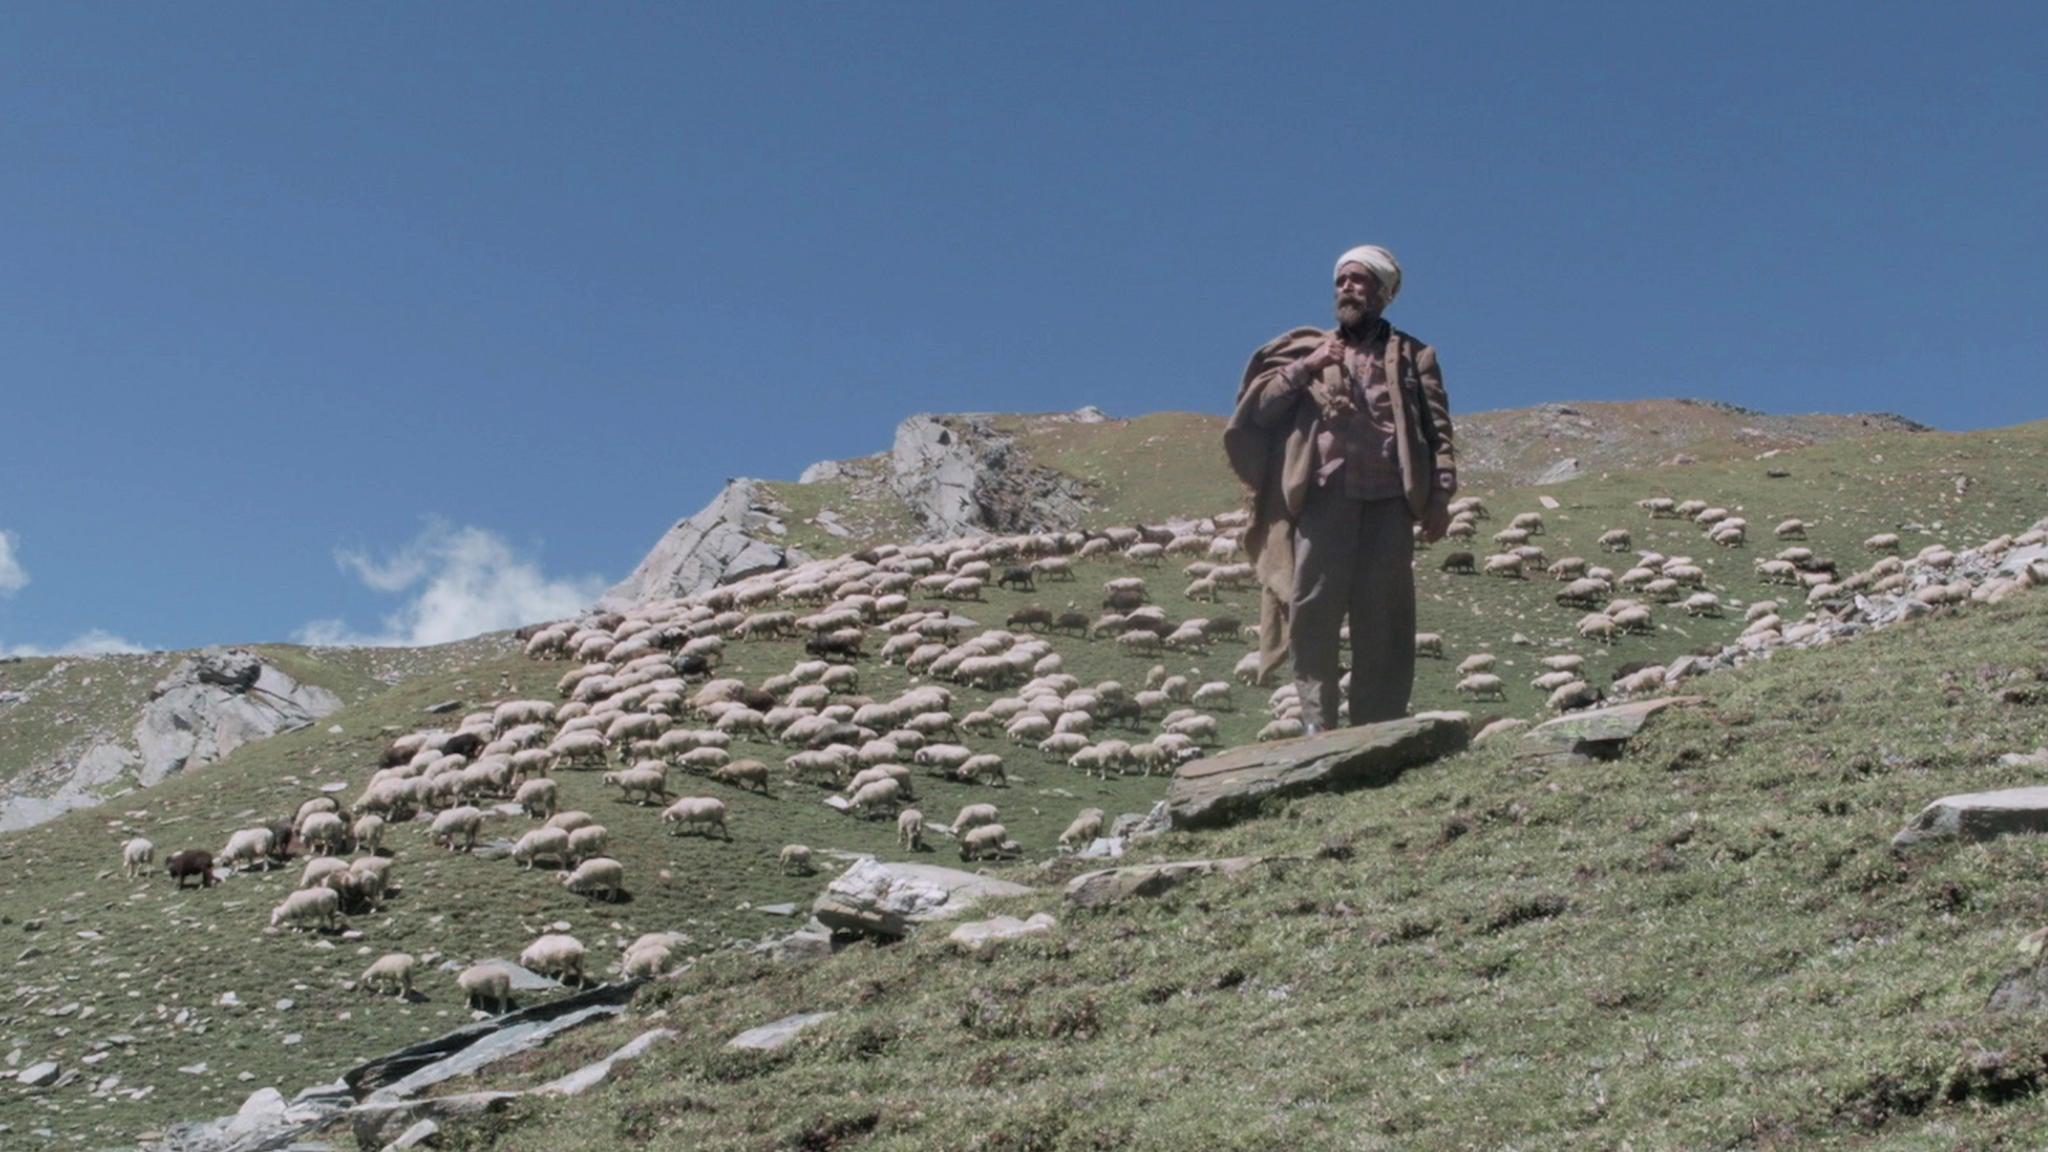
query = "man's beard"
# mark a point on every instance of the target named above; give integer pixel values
(1353, 313)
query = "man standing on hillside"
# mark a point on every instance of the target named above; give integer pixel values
(1342, 439)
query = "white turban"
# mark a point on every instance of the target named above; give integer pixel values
(1379, 262)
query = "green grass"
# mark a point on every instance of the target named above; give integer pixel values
(1706, 944)
(1406, 1019)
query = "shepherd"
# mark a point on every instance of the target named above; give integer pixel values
(1342, 439)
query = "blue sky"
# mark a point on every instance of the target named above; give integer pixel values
(398, 320)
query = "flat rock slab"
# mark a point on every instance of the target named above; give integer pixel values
(1595, 734)
(1978, 816)
(884, 899)
(1233, 785)
(769, 1037)
(1111, 885)
(982, 935)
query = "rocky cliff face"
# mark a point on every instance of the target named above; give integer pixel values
(960, 474)
(728, 538)
(210, 704)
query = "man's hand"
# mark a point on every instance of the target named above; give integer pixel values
(1436, 516)
(1330, 351)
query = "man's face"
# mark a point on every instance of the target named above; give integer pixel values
(1358, 294)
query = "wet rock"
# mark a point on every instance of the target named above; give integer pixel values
(883, 899)
(1978, 816)
(1235, 784)
(769, 1037)
(1114, 885)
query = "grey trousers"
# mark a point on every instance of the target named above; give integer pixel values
(1356, 557)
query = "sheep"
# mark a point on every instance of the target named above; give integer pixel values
(1286, 728)
(1470, 504)
(597, 875)
(910, 829)
(1882, 542)
(646, 959)
(1703, 604)
(1530, 522)
(1563, 663)
(1569, 568)
(1616, 540)
(136, 855)
(1794, 529)
(1477, 662)
(573, 748)
(536, 798)
(1085, 828)
(649, 778)
(190, 862)
(390, 973)
(368, 831)
(557, 955)
(463, 823)
(985, 842)
(1483, 686)
(795, 860)
(1214, 694)
(251, 846)
(317, 905)
(986, 768)
(1599, 627)
(1577, 694)
(1199, 728)
(319, 869)
(876, 795)
(1504, 564)
(973, 816)
(1551, 681)
(1659, 507)
(549, 843)
(486, 982)
(743, 774)
(706, 812)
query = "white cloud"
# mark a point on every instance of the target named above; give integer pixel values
(13, 577)
(93, 642)
(465, 581)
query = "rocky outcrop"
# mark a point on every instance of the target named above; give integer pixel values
(213, 703)
(888, 900)
(1234, 785)
(734, 535)
(1978, 816)
(1594, 734)
(210, 704)
(959, 474)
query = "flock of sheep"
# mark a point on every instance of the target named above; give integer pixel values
(644, 703)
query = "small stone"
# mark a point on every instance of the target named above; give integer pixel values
(229, 1000)
(293, 1039)
(39, 1075)
(769, 1037)
(198, 1069)
(285, 1005)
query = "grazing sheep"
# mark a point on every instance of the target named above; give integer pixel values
(542, 843)
(910, 829)
(1577, 694)
(1552, 681)
(578, 748)
(875, 796)
(1504, 564)
(391, 973)
(796, 860)
(649, 778)
(1616, 540)
(1469, 505)
(598, 875)
(1790, 530)
(319, 869)
(1286, 728)
(570, 821)
(1198, 728)
(190, 862)
(1882, 542)
(368, 831)
(536, 798)
(251, 846)
(1085, 828)
(704, 812)
(973, 816)
(985, 768)
(1599, 627)
(555, 955)
(1564, 663)
(458, 823)
(1461, 562)
(587, 841)
(1703, 604)
(1483, 686)
(320, 906)
(1214, 694)
(743, 774)
(987, 842)
(646, 960)
(481, 983)
(136, 855)
(1530, 522)
(1429, 644)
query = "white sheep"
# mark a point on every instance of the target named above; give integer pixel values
(1483, 686)
(1426, 644)
(542, 843)
(910, 829)
(598, 875)
(649, 778)
(390, 973)
(557, 955)
(486, 982)
(705, 812)
(320, 906)
(136, 855)
(536, 798)
(1085, 828)
(1286, 728)
(461, 823)
(1577, 694)
(646, 960)
(1214, 694)
(795, 860)
(876, 795)
(1882, 542)
(251, 846)
(1563, 663)
(1616, 540)
(587, 841)
(1477, 662)
(319, 869)
(368, 831)
(985, 842)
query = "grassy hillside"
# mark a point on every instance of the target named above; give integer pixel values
(1706, 944)
(1021, 1045)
